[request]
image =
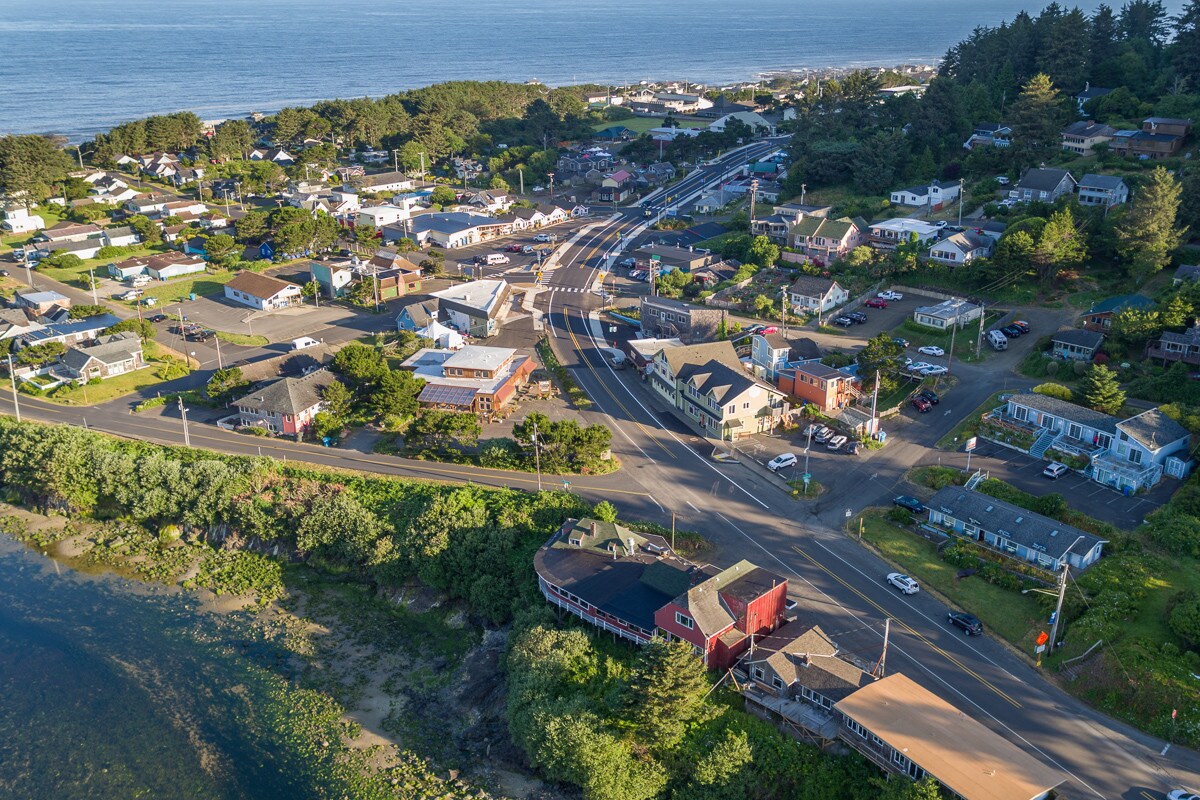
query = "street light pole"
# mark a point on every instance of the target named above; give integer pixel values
(1062, 591)
(92, 283)
(12, 376)
(187, 441)
(537, 455)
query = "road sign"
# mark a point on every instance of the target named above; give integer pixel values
(971, 443)
(1042, 638)
(656, 257)
(1041, 648)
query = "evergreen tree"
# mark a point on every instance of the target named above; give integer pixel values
(1060, 246)
(665, 692)
(1147, 235)
(1037, 117)
(1186, 55)
(1144, 21)
(1063, 54)
(1101, 391)
(1177, 312)
(337, 401)
(1104, 35)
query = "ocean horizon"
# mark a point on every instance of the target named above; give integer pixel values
(77, 67)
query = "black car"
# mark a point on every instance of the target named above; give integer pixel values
(1011, 331)
(852, 447)
(858, 317)
(900, 341)
(158, 318)
(930, 395)
(911, 503)
(970, 625)
(845, 322)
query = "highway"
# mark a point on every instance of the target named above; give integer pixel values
(668, 469)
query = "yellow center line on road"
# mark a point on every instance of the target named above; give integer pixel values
(600, 380)
(952, 659)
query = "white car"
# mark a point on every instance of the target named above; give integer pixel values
(919, 366)
(543, 237)
(304, 342)
(836, 442)
(934, 369)
(931, 350)
(1183, 794)
(1056, 470)
(891, 296)
(1003, 181)
(782, 462)
(902, 582)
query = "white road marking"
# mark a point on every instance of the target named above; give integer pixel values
(689, 502)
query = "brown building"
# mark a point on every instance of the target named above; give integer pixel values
(1160, 137)
(663, 317)
(825, 387)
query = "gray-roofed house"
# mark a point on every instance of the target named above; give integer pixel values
(799, 673)
(1130, 454)
(1076, 344)
(1089, 93)
(962, 248)
(110, 356)
(708, 384)
(1172, 346)
(947, 313)
(773, 352)
(664, 317)
(1102, 190)
(935, 194)
(1043, 185)
(1013, 531)
(286, 405)
(1187, 273)
(417, 315)
(814, 293)
(1081, 137)
(41, 302)
(475, 308)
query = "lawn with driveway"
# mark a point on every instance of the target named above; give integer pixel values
(1012, 616)
(965, 340)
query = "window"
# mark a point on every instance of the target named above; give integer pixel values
(684, 620)
(777, 681)
(733, 408)
(758, 672)
(1074, 430)
(1135, 455)
(1021, 413)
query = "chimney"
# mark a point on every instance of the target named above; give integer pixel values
(632, 549)
(594, 527)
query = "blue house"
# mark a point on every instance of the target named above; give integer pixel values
(1014, 531)
(416, 316)
(772, 353)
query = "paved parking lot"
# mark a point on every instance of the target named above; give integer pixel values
(1082, 494)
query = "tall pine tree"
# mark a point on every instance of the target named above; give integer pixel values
(1148, 233)
(1037, 117)
(665, 692)
(1186, 49)
(1101, 391)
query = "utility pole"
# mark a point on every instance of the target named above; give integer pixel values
(1062, 591)
(217, 341)
(537, 455)
(12, 376)
(887, 629)
(783, 293)
(521, 173)
(950, 352)
(874, 404)
(551, 176)
(753, 197)
(92, 283)
(187, 441)
(803, 189)
(960, 201)
(979, 339)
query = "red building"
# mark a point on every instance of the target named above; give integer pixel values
(633, 585)
(720, 615)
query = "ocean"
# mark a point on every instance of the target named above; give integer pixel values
(75, 67)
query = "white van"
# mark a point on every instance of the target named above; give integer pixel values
(997, 340)
(139, 281)
(303, 342)
(496, 258)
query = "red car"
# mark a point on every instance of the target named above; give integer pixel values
(876, 302)
(513, 248)
(769, 330)
(921, 404)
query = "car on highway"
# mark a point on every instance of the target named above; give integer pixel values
(902, 582)
(921, 404)
(931, 350)
(900, 341)
(876, 302)
(911, 503)
(844, 321)
(970, 625)
(836, 442)
(824, 435)
(782, 462)
(930, 395)
(1056, 470)
(890, 295)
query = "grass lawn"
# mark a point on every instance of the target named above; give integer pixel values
(970, 423)
(243, 339)
(1013, 616)
(202, 283)
(96, 393)
(964, 341)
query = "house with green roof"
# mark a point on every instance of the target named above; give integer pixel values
(826, 240)
(1099, 317)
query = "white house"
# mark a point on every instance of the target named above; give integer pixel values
(120, 237)
(1042, 185)
(384, 183)
(891, 233)
(947, 313)
(476, 308)
(813, 293)
(752, 118)
(262, 291)
(962, 248)
(935, 195)
(1102, 190)
(379, 216)
(17, 219)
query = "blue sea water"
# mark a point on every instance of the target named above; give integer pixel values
(78, 66)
